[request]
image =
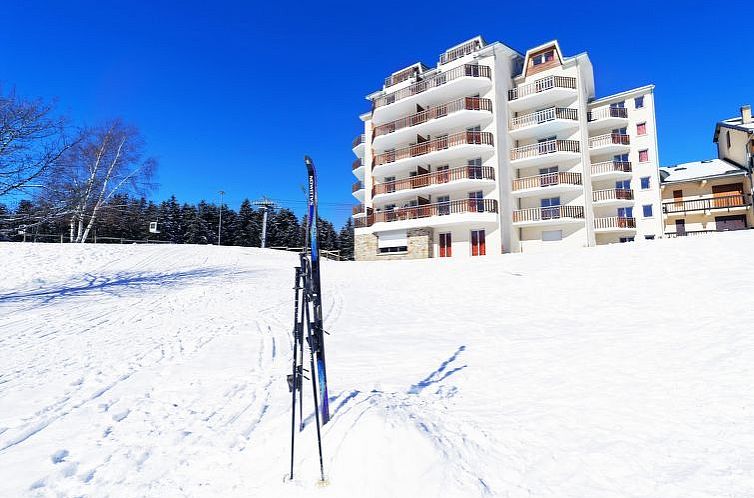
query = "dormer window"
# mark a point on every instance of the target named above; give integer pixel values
(543, 57)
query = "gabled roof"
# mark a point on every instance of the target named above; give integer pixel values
(699, 170)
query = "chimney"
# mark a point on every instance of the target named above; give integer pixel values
(746, 114)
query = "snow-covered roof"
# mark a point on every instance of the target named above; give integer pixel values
(738, 123)
(698, 170)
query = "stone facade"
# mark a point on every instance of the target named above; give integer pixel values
(419, 246)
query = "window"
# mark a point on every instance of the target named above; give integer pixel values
(680, 227)
(623, 185)
(477, 243)
(618, 105)
(626, 239)
(546, 145)
(552, 235)
(621, 158)
(643, 156)
(639, 102)
(384, 250)
(647, 209)
(727, 138)
(543, 57)
(475, 168)
(446, 246)
(389, 184)
(550, 208)
(641, 129)
(443, 205)
(548, 176)
(476, 202)
(645, 182)
(649, 237)
(626, 212)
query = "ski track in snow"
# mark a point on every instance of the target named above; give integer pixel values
(160, 371)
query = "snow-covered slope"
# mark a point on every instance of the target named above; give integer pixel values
(160, 371)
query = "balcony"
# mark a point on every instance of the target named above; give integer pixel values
(613, 197)
(545, 122)
(465, 79)
(607, 117)
(549, 183)
(610, 143)
(482, 211)
(458, 52)
(358, 145)
(614, 224)
(553, 215)
(466, 144)
(540, 153)
(357, 189)
(358, 210)
(469, 176)
(357, 168)
(735, 202)
(460, 113)
(611, 170)
(541, 92)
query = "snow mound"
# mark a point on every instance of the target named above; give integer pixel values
(160, 371)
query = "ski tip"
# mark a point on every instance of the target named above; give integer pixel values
(308, 160)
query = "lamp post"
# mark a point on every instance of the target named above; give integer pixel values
(220, 224)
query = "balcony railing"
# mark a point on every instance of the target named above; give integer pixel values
(436, 178)
(357, 186)
(440, 111)
(544, 116)
(707, 203)
(613, 194)
(547, 180)
(607, 112)
(464, 137)
(541, 85)
(614, 222)
(358, 209)
(362, 221)
(609, 139)
(356, 164)
(543, 148)
(436, 209)
(691, 233)
(548, 213)
(611, 167)
(436, 80)
(401, 76)
(358, 140)
(458, 52)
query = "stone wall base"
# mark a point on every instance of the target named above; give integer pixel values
(419, 246)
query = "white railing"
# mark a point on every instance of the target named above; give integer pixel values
(541, 148)
(614, 222)
(541, 85)
(613, 194)
(544, 116)
(611, 167)
(547, 180)
(607, 112)
(548, 213)
(609, 139)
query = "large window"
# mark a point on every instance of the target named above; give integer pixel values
(626, 212)
(641, 129)
(643, 156)
(550, 208)
(645, 182)
(623, 185)
(477, 243)
(647, 210)
(639, 102)
(543, 57)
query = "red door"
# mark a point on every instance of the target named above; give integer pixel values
(477, 243)
(446, 247)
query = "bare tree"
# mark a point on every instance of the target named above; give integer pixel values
(108, 159)
(32, 139)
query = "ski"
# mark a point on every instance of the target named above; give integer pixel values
(316, 295)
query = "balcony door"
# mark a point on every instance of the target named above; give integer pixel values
(443, 205)
(446, 245)
(620, 158)
(475, 168)
(443, 175)
(623, 185)
(550, 208)
(476, 202)
(478, 243)
(546, 145)
(678, 199)
(548, 176)
(626, 212)
(389, 184)
(680, 227)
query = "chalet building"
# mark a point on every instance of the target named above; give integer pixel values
(492, 151)
(713, 195)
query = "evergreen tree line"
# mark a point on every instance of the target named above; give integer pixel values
(128, 218)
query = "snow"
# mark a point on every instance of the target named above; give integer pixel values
(619, 370)
(700, 169)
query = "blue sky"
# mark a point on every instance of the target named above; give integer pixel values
(231, 95)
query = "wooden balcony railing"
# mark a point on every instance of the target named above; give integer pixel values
(610, 167)
(401, 76)
(544, 116)
(440, 111)
(435, 178)
(613, 194)
(541, 85)
(357, 186)
(547, 180)
(542, 148)
(357, 209)
(607, 112)
(609, 139)
(362, 221)
(707, 203)
(433, 81)
(358, 140)
(614, 222)
(436, 209)
(548, 213)
(462, 138)
(356, 164)
(458, 52)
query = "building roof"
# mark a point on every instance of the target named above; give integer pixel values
(738, 123)
(699, 170)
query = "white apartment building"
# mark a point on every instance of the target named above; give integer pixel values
(491, 151)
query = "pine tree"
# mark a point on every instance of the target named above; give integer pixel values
(346, 240)
(196, 227)
(247, 226)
